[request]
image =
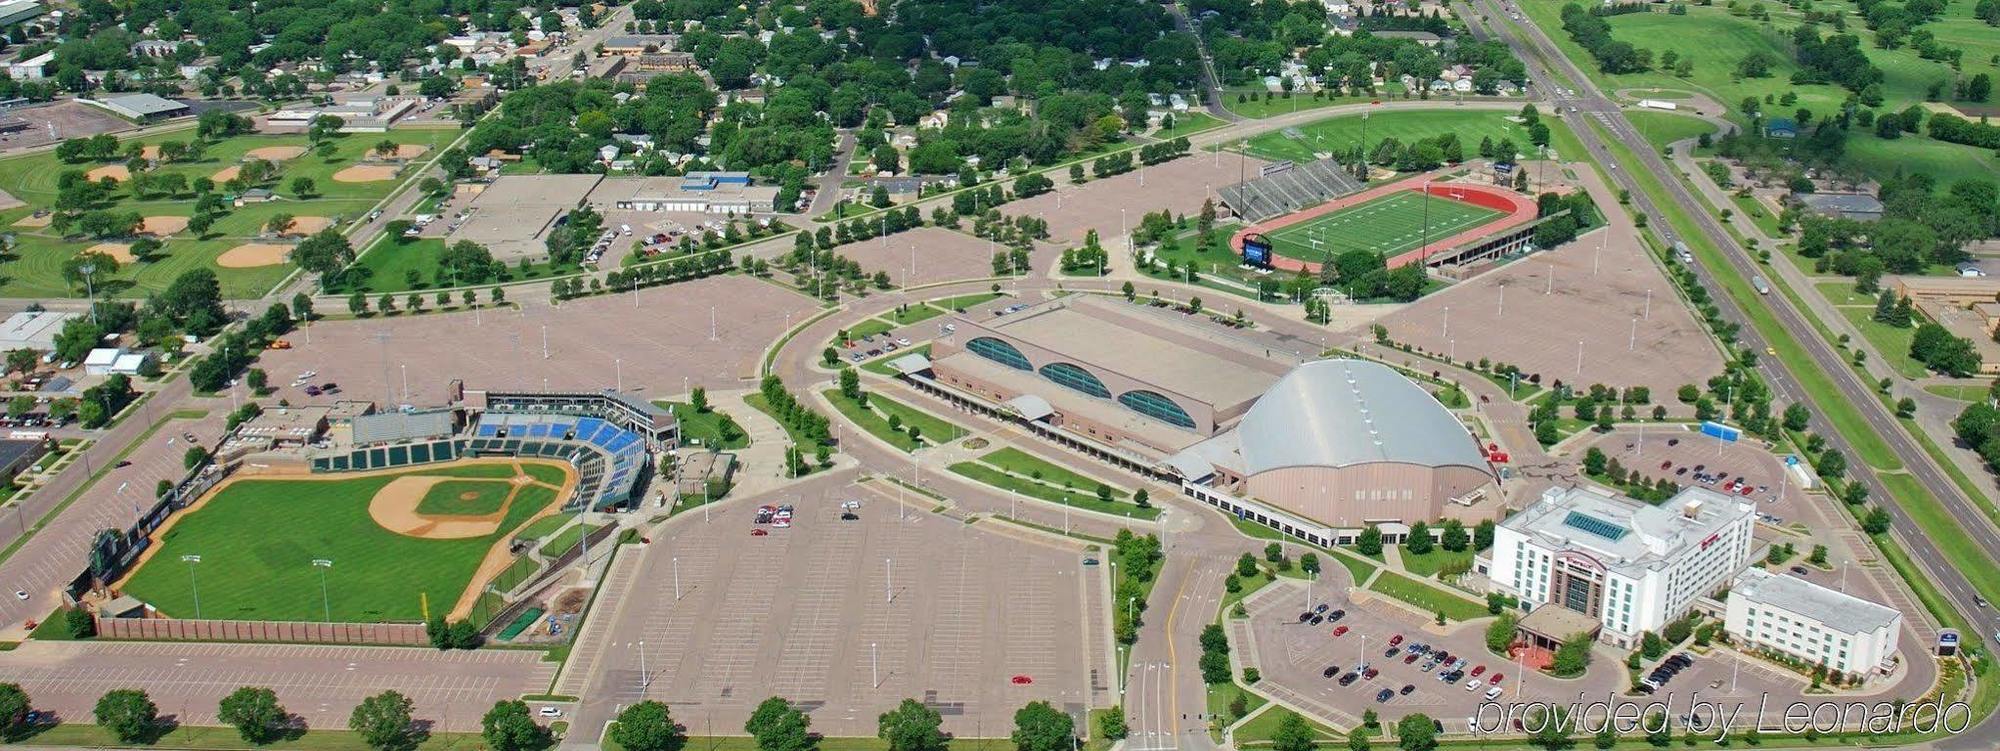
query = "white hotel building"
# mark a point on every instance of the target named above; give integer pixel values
(1619, 566)
(1821, 626)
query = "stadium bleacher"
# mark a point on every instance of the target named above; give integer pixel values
(608, 459)
(1289, 190)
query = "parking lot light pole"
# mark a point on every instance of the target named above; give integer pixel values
(325, 602)
(677, 578)
(874, 667)
(645, 676)
(194, 589)
(889, 583)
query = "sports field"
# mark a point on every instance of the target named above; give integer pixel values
(1387, 225)
(257, 539)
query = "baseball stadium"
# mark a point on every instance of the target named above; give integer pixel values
(341, 514)
(1418, 219)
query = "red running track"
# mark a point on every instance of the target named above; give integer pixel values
(1518, 208)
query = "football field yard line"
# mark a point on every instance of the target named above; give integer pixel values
(1388, 225)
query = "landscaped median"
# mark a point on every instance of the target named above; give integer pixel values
(1015, 471)
(1430, 599)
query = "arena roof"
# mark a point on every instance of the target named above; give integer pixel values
(1336, 413)
(1116, 337)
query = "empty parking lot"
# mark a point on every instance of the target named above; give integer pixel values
(847, 618)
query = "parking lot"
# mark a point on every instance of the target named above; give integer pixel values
(1178, 186)
(321, 684)
(657, 343)
(1295, 659)
(1677, 454)
(845, 618)
(924, 256)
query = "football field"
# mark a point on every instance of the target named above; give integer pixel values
(1388, 225)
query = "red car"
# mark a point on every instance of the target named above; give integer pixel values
(1476, 670)
(1396, 640)
(759, 532)
(1410, 658)
(1495, 680)
(1340, 631)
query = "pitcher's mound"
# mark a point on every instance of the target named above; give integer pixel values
(120, 252)
(395, 508)
(275, 153)
(306, 225)
(252, 255)
(161, 226)
(113, 171)
(225, 174)
(365, 174)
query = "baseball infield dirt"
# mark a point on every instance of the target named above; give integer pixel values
(275, 153)
(252, 255)
(225, 174)
(120, 252)
(113, 171)
(161, 226)
(365, 174)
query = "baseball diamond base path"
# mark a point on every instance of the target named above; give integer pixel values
(366, 173)
(120, 252)
(395, 508)
(275, 153)
(161, 226)
(1519, 210)
(252, 255)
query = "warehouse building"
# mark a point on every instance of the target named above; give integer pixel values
(141, 107)
(36, 329)
(1820, 626)
(694, 193)
(1626, 566)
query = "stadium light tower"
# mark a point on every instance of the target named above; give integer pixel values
(325, 603)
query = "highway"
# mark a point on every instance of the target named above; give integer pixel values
(1584, 101)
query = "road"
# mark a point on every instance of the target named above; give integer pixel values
(1534, 48)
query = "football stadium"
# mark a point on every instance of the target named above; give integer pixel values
(1420, 219)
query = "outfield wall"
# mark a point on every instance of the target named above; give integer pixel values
(1520, 211)
(184, 629)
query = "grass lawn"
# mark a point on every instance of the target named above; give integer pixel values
(912, 314)
(566, 539)
(1254, 105)
(1405, 125)
(1186, 123)
(1388, 225)
(1427, 598)
(464, 497)
(542, 528)
(387, 264)
(1954, 391)
(1893, 343)
(1259, 729)
(1221, 694)
(34, 268)
(1428, 564)
(960, 303)
(257, 540)
(1022, 463)
(551, 474)
(1080, 499)
(935, 429)
(869, 327)
(1661, 128)
(869, 420)
(705, 428)
(804, 441)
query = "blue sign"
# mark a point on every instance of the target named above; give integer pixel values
(1720, 431)
(1257, 251)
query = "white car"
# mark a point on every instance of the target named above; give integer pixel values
(550, 712)
(1474, 684)
(20, 594)
(903, 342)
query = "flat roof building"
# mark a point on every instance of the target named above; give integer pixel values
(20, 11)
(694, 193)
(1630, 566)
(1808, 622)
(1860, 207)
(142, 107)
(513, 215)
(33, 329)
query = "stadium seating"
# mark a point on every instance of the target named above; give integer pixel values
(1284, 192)
(608, 459)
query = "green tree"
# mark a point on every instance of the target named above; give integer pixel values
(1292, 733)
(1357, 740)
(14, 706)
(1552, 730)
(1041, 727)
(1419, 541)
(1309, 563)
(383, 721)
(911, 726)
(128, 713)
(647, 726)
(1415, 732)
(776, 726)
(509, 727)
(1246, 566)
(254, 712)
(1111, 724)
(1500, 633)
(1369, 542)
(1572, 657)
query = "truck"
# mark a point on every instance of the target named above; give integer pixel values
(1763, 288)
(1656, 104)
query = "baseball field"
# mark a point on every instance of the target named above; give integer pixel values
(394, 539)
(1388, 225)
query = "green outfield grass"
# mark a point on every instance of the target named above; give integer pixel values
(1662, 128)
(464, 498)
(1345, 131)
(34, 268)
(257, 540)
(1388, 225)
(387, 265)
